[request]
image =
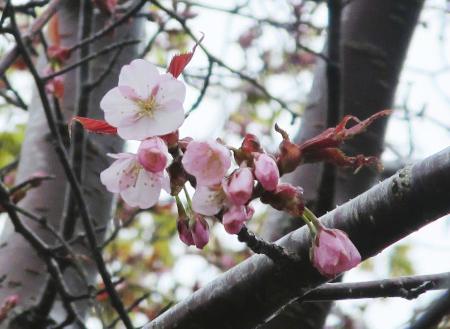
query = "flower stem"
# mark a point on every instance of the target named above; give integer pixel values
(311, 220)
(188, 198)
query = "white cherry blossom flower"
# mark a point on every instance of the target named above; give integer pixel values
(137, 186)
(145, 103)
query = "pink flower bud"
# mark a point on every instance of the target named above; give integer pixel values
(152, 154)
(266, 171)
(235, 217)
(200, 231)
(184, 232)
(239, 186)
(333, 252)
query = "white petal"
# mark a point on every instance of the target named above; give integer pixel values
(165, 183)
(145, 193)
(164, 120)
(206, 201)
(120, 155)
(170, 88)
(118, 109)
(140, 75)
(111, 176)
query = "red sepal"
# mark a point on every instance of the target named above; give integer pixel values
(59, 53)
(179, 62)
(95, 126)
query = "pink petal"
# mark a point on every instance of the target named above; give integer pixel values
(207, 200)
(170, 88)
(111, 177)
(207, 161)
(140, 75)
(118, 109)
(165, 119)
(145, 193)
(235, 217)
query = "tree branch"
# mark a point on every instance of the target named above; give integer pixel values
(408, 287)
(257, 288)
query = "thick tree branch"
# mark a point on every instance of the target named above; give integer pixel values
(257, 288)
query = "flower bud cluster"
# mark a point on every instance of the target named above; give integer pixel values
(148, 107)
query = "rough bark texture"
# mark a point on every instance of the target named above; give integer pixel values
(25, 272)
(375, 38)
(257, 288)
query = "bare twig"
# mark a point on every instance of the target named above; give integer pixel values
(408, 287)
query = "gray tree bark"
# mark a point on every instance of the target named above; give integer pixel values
(25, 272)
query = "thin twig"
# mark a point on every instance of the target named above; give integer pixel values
(408, 287)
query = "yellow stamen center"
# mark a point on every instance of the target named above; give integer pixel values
(147, 106)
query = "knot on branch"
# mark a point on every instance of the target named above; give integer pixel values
(401, 182)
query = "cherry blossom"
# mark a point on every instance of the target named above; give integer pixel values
(200, 231)
(194, 233)
(333, 252)
(153, 154)
(184, 231)
(144, 104)
(235, 217)
(207, 161)
(266, 171)
(208, 200)
(137, 186)
(239, 186)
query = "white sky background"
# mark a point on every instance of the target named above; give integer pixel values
(429, 54)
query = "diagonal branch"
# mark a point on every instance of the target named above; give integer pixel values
(257, 288)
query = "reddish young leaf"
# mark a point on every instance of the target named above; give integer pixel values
(337, 157)
(324, 147)
(95, 126)
(333, 137)
(179, 62)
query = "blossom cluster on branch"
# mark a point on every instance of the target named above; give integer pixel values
(148, 106)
